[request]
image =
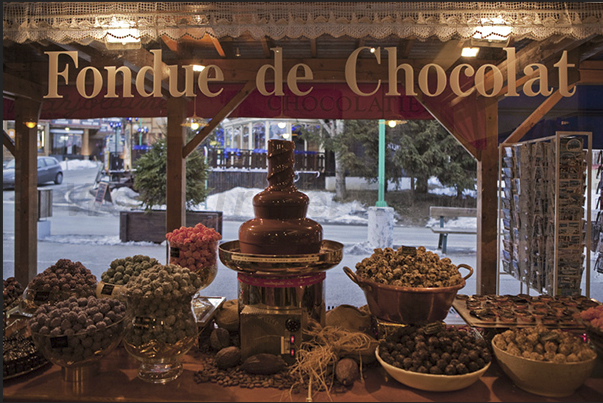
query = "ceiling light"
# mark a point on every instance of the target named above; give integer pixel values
(238, 54)
(282, 125)
(194, 122)
(66, 129)
(469, 52)
(393, 123)
(31, 125)
(198, 67)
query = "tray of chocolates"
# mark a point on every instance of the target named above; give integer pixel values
(504, 311)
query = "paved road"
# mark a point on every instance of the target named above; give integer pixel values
(83, 231)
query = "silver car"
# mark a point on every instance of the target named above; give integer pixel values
(49, 170)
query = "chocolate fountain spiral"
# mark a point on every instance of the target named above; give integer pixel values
(280, 164)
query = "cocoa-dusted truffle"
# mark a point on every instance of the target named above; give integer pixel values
(84, 323)
(123, 270)
(65, 277)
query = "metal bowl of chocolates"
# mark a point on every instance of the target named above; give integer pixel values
(408, 285)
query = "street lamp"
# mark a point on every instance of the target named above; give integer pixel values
(381, 196)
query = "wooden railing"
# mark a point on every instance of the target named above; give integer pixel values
(256, 159)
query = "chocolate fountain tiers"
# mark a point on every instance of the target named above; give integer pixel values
(280, 224)
(329, 255)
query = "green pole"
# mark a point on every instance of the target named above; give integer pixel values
(381, 200)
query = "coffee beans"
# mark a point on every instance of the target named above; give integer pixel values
(236, 376)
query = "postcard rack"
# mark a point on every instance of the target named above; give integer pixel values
(546, 238)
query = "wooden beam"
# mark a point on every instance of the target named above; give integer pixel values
(17, 86)
(405, 47)
(170, 43)
(221, 115)
(313, 47)
(535, 117)
(449, 54)
(536, 52)
(218, 46)
(324, 70)
(266, 47)
(591, 72)
(176, 164)
(26, 189)
(8, 143)
(487, 205)
(466, 145)
(518, 83)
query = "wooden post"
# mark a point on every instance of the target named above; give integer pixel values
(26, 189)
(487, 205)
(176, 164)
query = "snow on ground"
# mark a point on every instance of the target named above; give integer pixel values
(72, 165)
(236, 204)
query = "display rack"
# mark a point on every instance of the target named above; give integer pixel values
(545, 236)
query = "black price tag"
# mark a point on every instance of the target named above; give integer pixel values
(42, 296)
(174, 252)
(59, 342)
(107, 289)
(144, 322)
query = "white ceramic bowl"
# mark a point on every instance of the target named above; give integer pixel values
(544, 378)
(430, 382)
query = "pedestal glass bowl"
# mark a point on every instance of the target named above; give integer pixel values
(157, 334)
(77, 352)
(161, 326)
(196, 248)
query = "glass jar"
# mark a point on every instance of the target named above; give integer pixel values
(161, 324)
(195, 248)
(202, 261)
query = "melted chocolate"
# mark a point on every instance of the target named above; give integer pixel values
(280, 226)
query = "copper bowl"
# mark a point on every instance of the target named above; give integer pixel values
(407, 305)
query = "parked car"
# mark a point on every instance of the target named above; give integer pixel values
(49, 169)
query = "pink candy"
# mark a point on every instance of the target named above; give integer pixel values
(198, 246)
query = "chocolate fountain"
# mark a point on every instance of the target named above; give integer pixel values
(281, 260)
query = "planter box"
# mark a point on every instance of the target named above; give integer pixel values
(142, 226)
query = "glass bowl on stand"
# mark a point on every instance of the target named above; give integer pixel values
(202, 259)
(79, 354)
(161, 325)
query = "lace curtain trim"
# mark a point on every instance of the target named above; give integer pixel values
(84, 22)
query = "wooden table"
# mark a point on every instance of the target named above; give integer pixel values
(117, 381)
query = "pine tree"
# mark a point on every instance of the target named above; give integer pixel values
(426, 149)
(151, 177)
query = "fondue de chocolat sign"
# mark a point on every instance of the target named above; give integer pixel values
(431, 80)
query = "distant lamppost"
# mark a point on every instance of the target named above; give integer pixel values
(381, 195)
(141, 131)
(116, 126)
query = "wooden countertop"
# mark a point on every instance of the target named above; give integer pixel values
(117, 381)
